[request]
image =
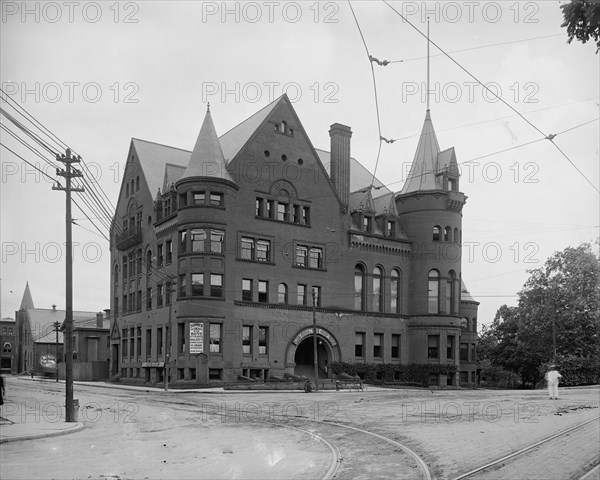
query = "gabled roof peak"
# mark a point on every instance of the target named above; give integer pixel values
(27, 300)
(207, 158)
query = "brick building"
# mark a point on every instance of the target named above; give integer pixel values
(8, 335)
(217, 255)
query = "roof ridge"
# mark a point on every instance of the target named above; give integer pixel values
(161, 144)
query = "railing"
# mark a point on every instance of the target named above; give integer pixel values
(128, 238)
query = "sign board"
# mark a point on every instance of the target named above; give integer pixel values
(153, 364)
(48, 360)
(196, 338)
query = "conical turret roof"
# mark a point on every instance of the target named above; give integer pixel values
(423, 171)
(27, 300)
(207, 158)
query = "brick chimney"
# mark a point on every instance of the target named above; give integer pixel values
(340, 162)
(100, 320)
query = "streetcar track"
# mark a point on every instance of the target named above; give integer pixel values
(524, 450)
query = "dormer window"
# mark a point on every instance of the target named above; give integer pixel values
(366, 224)
(452, 185)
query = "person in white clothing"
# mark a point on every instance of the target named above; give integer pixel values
(552, 377)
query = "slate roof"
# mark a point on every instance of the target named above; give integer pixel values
(41, 322)
(465, 296)
(27, 300)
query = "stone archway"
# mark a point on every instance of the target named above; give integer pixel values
(300, 356)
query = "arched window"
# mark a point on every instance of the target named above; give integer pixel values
(359, 287)
(148, 262)
(137, 183)
(283, 293)
(377, 290)
(436, 233)
(396, 291)
(433, 303)
(450, 296)
(7, 347)
(464, 324)
(447, 234)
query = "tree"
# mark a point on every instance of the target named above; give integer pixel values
(558, 317)
(582, 19)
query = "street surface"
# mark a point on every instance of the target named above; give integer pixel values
(154, 434)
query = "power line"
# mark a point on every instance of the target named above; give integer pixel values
(547, 137)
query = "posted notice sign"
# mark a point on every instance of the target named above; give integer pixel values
(196, 337)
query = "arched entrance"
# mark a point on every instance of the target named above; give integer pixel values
(300, 353)
(304, 358)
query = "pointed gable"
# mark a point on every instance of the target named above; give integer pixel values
(447, 162)
(27, 300)
(207, 158)
(424, 168)
(362, 201)
(385, 205)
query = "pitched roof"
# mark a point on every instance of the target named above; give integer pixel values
(172, 174)
(153, 157)
(360, 177)
(207, 158)
(385, 204)
(465, 296)
(422, 175)
(234, 140)
(41, 322)
(27, 300)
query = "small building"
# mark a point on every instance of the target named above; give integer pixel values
(7, 343)
(39, 341)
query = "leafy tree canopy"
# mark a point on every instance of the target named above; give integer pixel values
(582, 19)
(562, 297)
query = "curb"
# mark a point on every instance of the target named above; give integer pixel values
(76, 428)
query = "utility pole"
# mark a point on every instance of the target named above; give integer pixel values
(56, 327)
(316, 359)
(68, 173)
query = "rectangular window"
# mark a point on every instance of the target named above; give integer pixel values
(138, 304)
(181, 337)
(263, 340)
(316, 296)
(116, 305)
(367, 224)
(168, 292)
(148, 298)
(183, 200)
(263, 291)
(124, 303)
(159, 340)
(215, 373)
(216, 199)
(169, 248)
(182, 286)
(198, 237)
(259, 207)
(282, 212)
(247, 340)
(215, 338)
(301, 294)
(433, 345)
(270, 209)
(216, 241)
(359, 344)
(395, 346)
(199, 198)
(159, 255)
(167, 207)
(263, 250)
(148, 342)
(306, 215)
(183, 241)
(391, 228)
(316, 258)
(247, 289)
(464, 377)
(301, 255)
(378, 344)
(197, 284)
(247, 250)
(464, 352)
(297, 210)
(450, 346)
(139, 341)
(216, 285)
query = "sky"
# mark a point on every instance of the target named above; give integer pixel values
(97, 74)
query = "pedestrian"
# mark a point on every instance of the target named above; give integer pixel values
(552, 377)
